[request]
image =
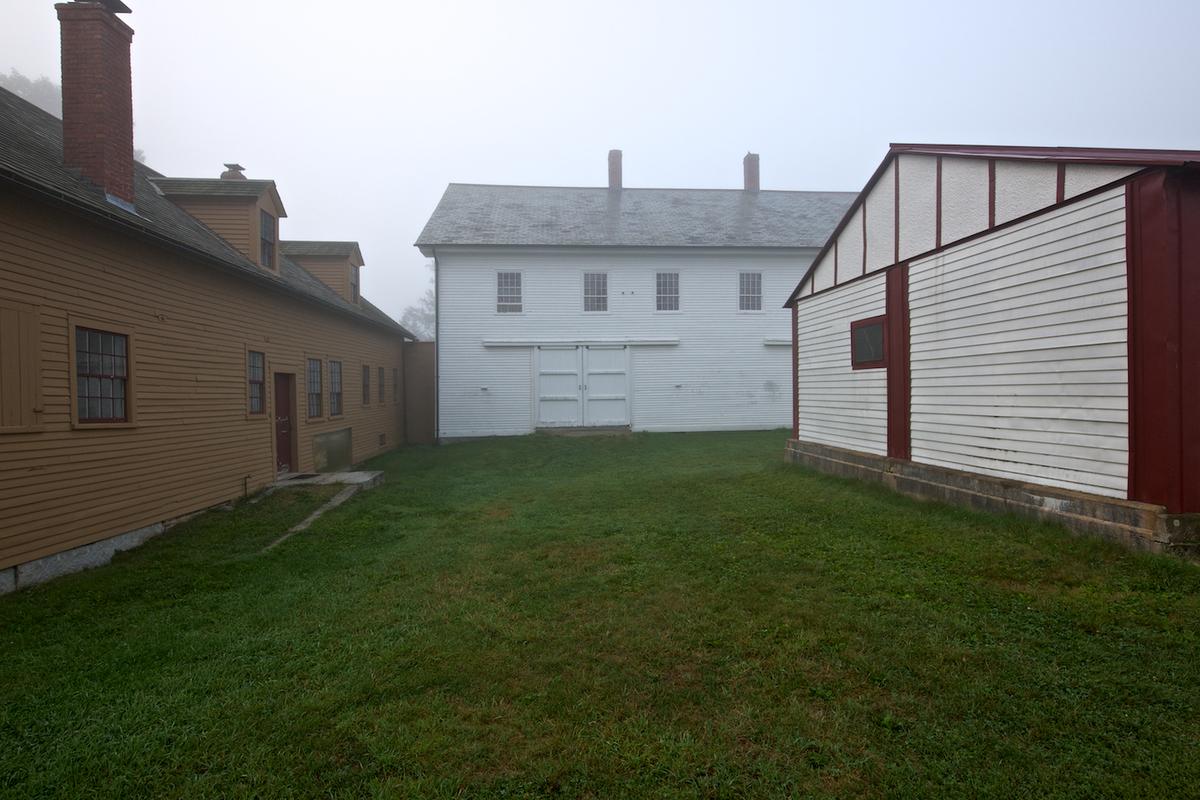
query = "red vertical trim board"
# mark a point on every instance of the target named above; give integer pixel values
(896, 212)
(864, 219)
(795, 372)
(1156, 285)
(938, 224)
(899, 385)
(1189, 302)
(1060, 193)
(991, 192)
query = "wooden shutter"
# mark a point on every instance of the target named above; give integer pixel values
(20, 369)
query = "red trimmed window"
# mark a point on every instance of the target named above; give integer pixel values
(354, 278)
(381, 385)
(868, 344)
(366, 386)
(395, 385)
(256, 377)
(266, 227)
(335, 388)
(101, 375)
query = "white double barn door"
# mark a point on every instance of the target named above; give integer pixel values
(582, 386)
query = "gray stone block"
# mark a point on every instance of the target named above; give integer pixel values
(96, 554)
(8, 580)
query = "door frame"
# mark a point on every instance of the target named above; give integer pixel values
(581, 365)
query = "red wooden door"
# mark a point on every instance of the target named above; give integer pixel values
(285, 415)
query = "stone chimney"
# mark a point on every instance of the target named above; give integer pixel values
(614, 169)
(97, 95)
(750, 170)
(233, 172)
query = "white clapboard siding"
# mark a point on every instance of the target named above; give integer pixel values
(841, 406)
(714, 368)
(1019, 351)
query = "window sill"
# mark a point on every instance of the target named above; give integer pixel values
(102, 426)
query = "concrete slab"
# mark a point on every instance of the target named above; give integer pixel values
(363, 478)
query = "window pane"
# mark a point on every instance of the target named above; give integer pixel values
(667, 291)
(595, 291)
(866, 343)
(750, 291)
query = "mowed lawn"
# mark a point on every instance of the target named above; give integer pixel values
(650, 615)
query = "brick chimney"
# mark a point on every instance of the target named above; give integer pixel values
(750, 170)
(97, 96)
(614, 169)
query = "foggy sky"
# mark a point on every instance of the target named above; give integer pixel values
(363, 111)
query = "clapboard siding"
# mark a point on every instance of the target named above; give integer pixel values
(720, 375)
(193, 443)
(1019, 350)
(841, 406)
(333, 272)
(233, 219)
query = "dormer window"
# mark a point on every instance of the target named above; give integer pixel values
(354, 284)
(267, 235)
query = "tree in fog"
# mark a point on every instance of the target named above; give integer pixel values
(43, 93)
(421, 317)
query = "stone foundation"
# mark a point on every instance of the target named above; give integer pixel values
(1140, 526)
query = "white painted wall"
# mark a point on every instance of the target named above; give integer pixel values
(724, 368)
(1022, 187)
(1019, 357)
(841, 406)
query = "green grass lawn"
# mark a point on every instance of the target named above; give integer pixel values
(655, 615)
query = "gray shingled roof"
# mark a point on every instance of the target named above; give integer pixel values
(295, 247)
(31, 157)
(473, 214)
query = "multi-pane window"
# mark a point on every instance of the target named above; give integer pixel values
(595, 291)
(395, 385)
(508, 292)
(101, 376)
(666, 291)
(267, 237)
(335, 388)
(256, 378)
(314, 387)
(366, 385)
(354, 276)
(381, 385)
(749, 291)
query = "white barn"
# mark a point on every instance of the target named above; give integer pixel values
(1013, 328)
(653, 309)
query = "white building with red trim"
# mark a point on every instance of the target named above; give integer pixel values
(1016, 329)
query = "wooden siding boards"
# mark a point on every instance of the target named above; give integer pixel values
(719, 372)
(1019, 351)
(234, 219)
(838, 405)
(194, 444)
(333, 272)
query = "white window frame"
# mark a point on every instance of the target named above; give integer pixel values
(742, 295)
(658, 294)
(520, 304)
(585, 294)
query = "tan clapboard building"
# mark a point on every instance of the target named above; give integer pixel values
(161, 350)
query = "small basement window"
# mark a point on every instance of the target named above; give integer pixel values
(868, 348)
